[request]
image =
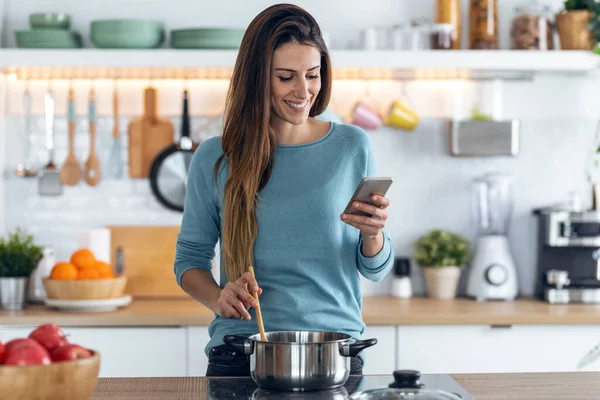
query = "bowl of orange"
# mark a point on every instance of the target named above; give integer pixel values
(83, 277)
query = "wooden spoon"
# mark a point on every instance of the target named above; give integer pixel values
(261, 327)
(70, 172)
(92, 165)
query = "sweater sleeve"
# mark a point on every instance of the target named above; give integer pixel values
(200, 230)
(375, 268)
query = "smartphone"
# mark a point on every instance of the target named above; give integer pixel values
(369, 186)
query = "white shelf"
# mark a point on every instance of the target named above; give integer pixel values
(476, 60)
(480, 61)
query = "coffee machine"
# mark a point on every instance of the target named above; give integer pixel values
(568, 255)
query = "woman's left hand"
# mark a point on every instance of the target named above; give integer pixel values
(369, 226)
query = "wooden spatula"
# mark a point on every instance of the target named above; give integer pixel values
(91, 172)
(261, 327)
(70, 172)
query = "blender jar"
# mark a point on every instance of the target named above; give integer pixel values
(493, 202)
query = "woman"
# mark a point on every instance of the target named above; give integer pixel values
(272, 189)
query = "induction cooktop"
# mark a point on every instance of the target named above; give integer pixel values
(245, 388)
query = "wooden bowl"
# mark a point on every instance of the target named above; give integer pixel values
(89, 289)
(65, 380)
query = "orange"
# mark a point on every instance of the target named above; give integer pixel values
(83, 258)
(88, 273)
(104, 270)
(64, 271)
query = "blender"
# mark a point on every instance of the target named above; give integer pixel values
(492, 274)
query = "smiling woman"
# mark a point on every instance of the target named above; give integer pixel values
(272, 189)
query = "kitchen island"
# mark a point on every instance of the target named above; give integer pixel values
(527, 386)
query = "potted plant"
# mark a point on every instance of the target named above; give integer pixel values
(577, 24)
(19, 257)
(441, 254)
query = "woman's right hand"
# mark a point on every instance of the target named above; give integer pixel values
(235, 298)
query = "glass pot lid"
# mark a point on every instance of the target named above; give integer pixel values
(406, 385)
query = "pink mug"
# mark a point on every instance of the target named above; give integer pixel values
(365, 117)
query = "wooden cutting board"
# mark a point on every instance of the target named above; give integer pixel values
(148, 135)
(148, 253)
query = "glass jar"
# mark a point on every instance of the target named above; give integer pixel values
(532, 27)
(448, 12)
(441, 36)
(483, 25)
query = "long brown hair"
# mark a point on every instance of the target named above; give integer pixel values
(248, 141)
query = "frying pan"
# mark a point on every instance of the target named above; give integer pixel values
(169, 170)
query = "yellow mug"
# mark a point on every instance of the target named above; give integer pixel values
(403, 117)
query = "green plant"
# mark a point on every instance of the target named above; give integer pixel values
(591, 5)
(571, 5)
(439, 248)
(18, 255)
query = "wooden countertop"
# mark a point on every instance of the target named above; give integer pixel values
(376, 311)
(528, 386)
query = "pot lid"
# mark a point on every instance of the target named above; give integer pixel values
(406, 385)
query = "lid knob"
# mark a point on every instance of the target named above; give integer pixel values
(406, 379)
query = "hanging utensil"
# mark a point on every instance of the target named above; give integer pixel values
(29, 167)
(115, 159)
(91, 171)
(261, 326)
(148, 135)
(169, 171)
(49, 180)
(70, 172)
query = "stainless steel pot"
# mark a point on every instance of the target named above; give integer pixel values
(299, 360)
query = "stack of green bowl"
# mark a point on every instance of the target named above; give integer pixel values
(48, 31)
(127, 34)
(207, 38)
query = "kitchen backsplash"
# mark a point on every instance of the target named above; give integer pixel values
(431, 188)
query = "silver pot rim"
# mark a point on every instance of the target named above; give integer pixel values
(344, 337)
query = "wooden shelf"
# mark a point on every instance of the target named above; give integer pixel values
(348, 64)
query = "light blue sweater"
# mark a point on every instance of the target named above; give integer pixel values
(307, 260)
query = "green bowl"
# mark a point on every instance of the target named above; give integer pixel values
(50, 21)
(207, 38)
(127, 34)
(48, 39)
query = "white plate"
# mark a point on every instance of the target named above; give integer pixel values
(89, 305)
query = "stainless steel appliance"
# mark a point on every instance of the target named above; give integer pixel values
(435, 386)
(568, 255)
(492, 273)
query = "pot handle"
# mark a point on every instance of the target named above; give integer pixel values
(352, 349)
(239, 344)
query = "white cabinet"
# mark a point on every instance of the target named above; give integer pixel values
(381, 358)
(126, 352)
(197, 362)
(136, 352)
(486, 349)
(13, 332)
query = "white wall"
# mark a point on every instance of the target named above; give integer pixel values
(430, 189)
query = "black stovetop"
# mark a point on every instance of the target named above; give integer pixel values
(246, 389)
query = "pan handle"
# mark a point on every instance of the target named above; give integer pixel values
(239, 344)
(352, 349)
